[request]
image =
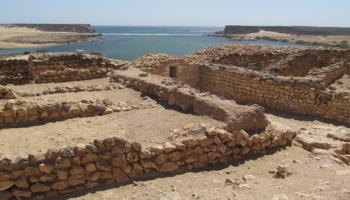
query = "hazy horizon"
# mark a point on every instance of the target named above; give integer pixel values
(180, 13)
(217, 26)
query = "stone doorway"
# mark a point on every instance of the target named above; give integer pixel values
(172, 71)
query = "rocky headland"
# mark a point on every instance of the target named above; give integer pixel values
(304, 35)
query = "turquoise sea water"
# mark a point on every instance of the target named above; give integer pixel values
(128, 43)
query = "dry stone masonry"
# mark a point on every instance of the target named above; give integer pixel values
(287, 79)
(19, 112)
(69, 89)
(250, 118)
(115, 160)
(54, 67)
(7, 93)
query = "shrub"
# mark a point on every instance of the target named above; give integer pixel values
(97, 53)
(342, 45)
(300, 42)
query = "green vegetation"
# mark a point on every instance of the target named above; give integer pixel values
(343, 44)
(10, 55)
(237, 38)
(265, 38)
(271, 39)
(301, 42)
(97, 53)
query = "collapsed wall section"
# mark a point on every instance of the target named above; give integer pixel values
(249, 118)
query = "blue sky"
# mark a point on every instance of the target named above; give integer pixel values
(178, 12)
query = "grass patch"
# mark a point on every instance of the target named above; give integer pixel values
(11, 55)
(96, 53)
(271, 39)
(236, 38)
(343, 44)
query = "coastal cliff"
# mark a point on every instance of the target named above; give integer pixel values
(300, 35)
(74, 28)
(297, 30)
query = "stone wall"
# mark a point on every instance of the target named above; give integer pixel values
(168, 66)
(7, 93)
(19, 113)
(253, 61)
(43, 68)
(296, 95)
(303, 95)
(182, 72)
(14, 71)
(249, 118)
(296, 83)
(116, 161)
(330, 73)
(306, 62)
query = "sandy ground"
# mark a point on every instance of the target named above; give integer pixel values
(144, 125)
(293, 38)
(44, 86)
(115, 95)
(18, 37)
(147, 126)
(8, 33)
(124, 95)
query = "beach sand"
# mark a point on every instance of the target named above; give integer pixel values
(18, 37)
(330, 40)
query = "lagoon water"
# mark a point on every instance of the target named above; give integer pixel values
(122, 42)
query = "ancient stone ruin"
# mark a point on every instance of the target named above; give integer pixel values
(305, 81)
(79, 121)
(46, 68)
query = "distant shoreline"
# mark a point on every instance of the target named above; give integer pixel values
(303, 35)
(43, 35)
